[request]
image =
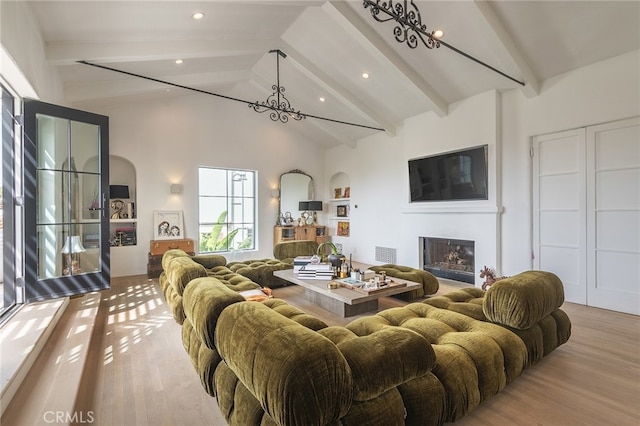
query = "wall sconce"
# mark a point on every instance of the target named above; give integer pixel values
(176, 188)
(275, 193)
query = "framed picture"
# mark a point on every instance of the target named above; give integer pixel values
(168, 225)
(347, 192)
(337, 193)
(341, 211)
(343, 229)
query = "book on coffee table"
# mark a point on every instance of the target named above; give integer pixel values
(321, 271)
(361, 286)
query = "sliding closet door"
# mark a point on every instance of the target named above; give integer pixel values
(586, 209)
(613, 216)
(559, 203)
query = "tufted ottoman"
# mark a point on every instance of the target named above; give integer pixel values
(261, 271)
(430, 284)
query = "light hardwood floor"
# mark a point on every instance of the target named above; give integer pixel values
(138, 373)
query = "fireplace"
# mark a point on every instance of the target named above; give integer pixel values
(449, 258)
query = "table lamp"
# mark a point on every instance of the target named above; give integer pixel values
(72, 245)
(315, 206)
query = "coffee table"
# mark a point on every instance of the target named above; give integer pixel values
(343, 301)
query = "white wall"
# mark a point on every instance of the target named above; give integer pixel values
(20, 38)
(167, 139)
(602, 92)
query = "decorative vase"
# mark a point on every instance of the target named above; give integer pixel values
(335, 259)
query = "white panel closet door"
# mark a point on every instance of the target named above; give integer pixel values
(559, 205)
(613, 216)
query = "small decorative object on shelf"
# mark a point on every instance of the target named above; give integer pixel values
(337, 193)
(347, 192)
(288, 219)
(117, 193)
(342, 211)
(343, 229)
(117, 206)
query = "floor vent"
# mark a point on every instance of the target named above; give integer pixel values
(385, 255)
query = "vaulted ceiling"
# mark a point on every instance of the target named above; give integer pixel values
(328, 46)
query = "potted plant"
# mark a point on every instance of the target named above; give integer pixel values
(335, 257)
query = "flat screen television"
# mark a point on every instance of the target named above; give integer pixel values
(451, 176)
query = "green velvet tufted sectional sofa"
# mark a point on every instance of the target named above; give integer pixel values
(427, 363)
(430, 284)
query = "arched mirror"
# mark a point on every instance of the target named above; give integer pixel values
(295, 186)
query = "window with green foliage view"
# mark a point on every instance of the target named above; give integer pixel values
(227, 199)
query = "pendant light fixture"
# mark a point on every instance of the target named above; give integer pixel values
(277, 104)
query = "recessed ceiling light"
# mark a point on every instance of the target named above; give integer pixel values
(365, 75)
(438, 34)
(322, 99)
(178, 61)
(197, 16)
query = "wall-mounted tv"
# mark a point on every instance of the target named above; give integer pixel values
(456, 175)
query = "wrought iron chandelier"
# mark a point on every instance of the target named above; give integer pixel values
(410, 28)
(277, 103)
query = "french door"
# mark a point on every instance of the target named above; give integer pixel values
(66, 187)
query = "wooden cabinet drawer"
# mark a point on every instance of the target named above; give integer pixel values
(161, 246)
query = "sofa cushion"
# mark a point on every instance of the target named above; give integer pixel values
(210, 260)
(236, 403)
(299, 376)
(474, 359)
(523, 300)
(467, 301)
(295, 314)
(169, 255)
(404, 354)
(203, 359)
(261, 271)
(181, 270)
(174, 300)
(233, 280)
(287, 250)
(430, 284)
(203, 301)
